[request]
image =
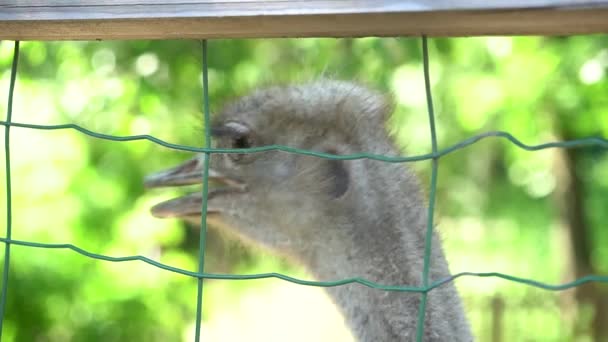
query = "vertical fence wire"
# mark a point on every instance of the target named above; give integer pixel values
(9, 205)
(433, 186)
(205, 193)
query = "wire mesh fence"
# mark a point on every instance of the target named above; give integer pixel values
(424, 288)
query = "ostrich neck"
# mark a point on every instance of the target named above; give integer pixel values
(388, 249)
(372, 314)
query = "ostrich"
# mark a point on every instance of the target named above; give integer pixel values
(339, 219)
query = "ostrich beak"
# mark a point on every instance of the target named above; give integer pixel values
(190, 173)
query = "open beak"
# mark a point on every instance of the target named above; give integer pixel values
(190, 173)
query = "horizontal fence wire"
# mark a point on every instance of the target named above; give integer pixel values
(207, 151)
(576, 143)
(353, 280)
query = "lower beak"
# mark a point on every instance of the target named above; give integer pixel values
(189, 173)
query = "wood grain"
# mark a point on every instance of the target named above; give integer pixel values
(154, 19)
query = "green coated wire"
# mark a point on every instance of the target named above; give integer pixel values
(200, 274)
(205, 193)
(431, 210)
(357, 280)
(584, 142)
(9, 202)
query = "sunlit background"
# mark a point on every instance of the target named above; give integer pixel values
(539, 215)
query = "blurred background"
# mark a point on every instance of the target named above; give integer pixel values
(539, 215)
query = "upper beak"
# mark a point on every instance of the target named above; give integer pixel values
(189, 173)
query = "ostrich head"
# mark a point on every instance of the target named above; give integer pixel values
(284, 201)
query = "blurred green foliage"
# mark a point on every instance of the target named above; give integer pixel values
(499, 206)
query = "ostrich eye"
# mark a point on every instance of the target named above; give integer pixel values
(239, 136)
(241, 141)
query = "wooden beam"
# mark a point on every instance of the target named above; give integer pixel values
(169, 19)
